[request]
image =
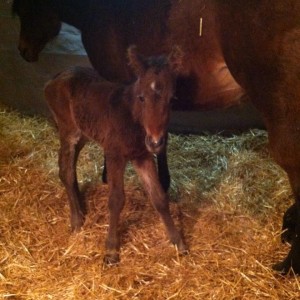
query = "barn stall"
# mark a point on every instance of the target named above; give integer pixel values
(227, 196)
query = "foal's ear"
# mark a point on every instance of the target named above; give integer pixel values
(136, 61)
(175, 59)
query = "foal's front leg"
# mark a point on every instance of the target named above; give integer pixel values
(115, 176)
(147, 172)
(69, 151)
(162, 167)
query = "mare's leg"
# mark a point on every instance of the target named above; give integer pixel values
(293, 258)
(69, 151)
(163, 170)
(104, 172)
(116, 167)
(147, 172)
(284, 138)
(289, 224)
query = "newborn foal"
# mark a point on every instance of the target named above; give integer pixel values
(128, 121)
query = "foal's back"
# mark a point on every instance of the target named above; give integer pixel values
(80, 90)
(82, 101)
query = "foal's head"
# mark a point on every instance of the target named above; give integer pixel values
(153, 91)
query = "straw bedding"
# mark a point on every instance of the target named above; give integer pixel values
(227, 197)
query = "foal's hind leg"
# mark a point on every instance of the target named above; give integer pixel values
(68, 155)
(148, 174)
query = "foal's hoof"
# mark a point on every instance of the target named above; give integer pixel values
(181, 247)
(111, 259)
(184, 252)
(77, 224)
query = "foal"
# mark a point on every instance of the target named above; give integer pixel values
(128, 121)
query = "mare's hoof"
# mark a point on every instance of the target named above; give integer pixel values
(282, 267)
(111, 259)
(285, 266)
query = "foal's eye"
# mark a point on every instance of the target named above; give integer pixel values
(141, 98)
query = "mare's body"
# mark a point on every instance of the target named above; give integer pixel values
(108, 27)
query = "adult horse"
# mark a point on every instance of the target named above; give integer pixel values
(108, 27)
(261, 44)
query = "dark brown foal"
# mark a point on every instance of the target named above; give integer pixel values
(128, 121)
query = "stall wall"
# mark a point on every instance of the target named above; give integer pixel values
(21, 83)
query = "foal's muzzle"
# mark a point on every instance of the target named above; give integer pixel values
(155, 145)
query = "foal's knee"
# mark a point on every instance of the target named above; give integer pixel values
(116, 201)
